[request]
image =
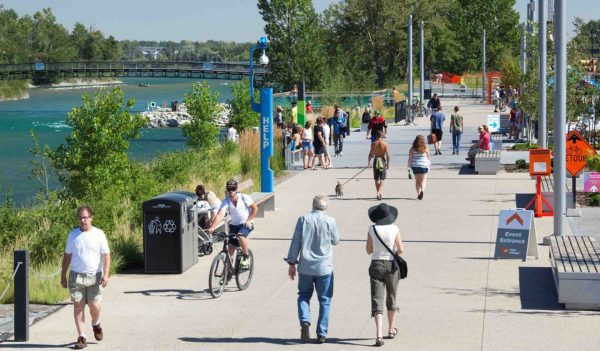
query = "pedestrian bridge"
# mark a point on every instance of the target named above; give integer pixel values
(42, 71)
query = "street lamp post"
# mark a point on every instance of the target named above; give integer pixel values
(265, 108)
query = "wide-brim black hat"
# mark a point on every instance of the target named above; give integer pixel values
(383, 214)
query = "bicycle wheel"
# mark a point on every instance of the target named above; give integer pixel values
(243, 275)
(218, 275)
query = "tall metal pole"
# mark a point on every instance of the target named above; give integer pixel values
(410, 62)
(483, 70)
(542, 80)
(422, 62)
(560, 115)
(21, 293)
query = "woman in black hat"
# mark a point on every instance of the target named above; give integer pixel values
(384, 277)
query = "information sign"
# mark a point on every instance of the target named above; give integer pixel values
(578, 150)
(591, 182)
(539, 162)
(516, 237)
(493, 123)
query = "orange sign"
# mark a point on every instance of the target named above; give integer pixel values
(578, 150)
(539, 162)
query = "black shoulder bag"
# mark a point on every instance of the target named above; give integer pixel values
(398, 262)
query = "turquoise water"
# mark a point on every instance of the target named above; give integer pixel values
(46, 110)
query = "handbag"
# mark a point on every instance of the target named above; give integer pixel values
(431, 138)
(398, 263)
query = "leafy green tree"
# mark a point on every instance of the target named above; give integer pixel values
(500, 20)
(296, 45)
(94, 157)
(112, 50)
(203, 105)
(92, 48)
(241, 115)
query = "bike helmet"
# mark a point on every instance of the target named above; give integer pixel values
(231, 185)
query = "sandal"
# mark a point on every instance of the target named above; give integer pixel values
(393, 333)
(379, 342)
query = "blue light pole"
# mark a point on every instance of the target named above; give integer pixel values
(265, 108)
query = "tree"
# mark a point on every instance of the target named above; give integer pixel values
(242, 116)
(203, 106)
(94, 157)
(499, 18)
(295, 42)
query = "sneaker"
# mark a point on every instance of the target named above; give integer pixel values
(341, 154)
(245, 262)
(439, 152)
(420, 197)
(321, 339)
(98, 332)
(304, 332)
(80, 343)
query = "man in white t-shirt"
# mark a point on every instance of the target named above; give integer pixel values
(242, 211)
(88, 255)
(326, 136)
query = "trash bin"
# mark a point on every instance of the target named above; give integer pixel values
(170, 232)
(427, 94)
(400, 111)
(174, 106)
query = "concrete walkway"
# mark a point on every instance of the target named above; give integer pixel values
(456, 297)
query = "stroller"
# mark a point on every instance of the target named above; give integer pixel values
(205, 240)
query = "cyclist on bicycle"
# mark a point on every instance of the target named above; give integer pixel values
(242, 211)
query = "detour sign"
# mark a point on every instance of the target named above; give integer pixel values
(578, 150)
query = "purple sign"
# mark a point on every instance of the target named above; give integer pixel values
(591, 182)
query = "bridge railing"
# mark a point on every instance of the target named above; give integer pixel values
(239, 67)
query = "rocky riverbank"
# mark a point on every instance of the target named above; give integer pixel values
(83, 83)
(165, 117)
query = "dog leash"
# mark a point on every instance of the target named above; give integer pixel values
(356, 175)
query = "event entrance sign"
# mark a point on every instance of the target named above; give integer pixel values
(516, 237)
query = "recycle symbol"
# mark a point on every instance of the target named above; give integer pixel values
(169, 226)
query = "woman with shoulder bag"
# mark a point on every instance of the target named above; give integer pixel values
(383, 273)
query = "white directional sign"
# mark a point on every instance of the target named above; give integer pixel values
(493, 123)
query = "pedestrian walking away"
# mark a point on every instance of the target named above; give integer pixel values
(456, 129)
(383, 274)
(380, 153)
(88, 255)
(242, 211)
(420, 163)
(311, 250)
(437, 122)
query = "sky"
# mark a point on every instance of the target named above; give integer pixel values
(198, 20)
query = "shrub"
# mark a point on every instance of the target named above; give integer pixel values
(521, 164)
(595, 200)
(203, 106)
(242, 116)
(523, 147)
(593, 163)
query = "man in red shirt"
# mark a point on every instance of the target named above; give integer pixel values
(377, 123)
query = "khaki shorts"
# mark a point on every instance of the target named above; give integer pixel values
(85, 287)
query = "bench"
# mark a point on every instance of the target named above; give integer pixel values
(487, 162)
(496, 140)
(575, 264)
(264, 201)
(548, 191)
(293, 158)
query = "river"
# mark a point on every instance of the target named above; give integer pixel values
(45, 113)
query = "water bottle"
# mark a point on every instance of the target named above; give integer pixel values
(409, 173)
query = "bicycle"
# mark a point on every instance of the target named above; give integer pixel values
(223, 267)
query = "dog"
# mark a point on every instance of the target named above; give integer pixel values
(339, 190)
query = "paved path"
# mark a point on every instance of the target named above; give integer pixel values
(455, 298)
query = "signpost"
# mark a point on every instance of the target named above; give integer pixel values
(539, 165)
(578, 150)
(493, 123)
(516, 237)
(591, 182)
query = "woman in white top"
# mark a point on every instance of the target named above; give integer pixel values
(307, 146)
(383, 275)
(420, 162)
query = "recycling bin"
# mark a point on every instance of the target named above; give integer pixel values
(170, 232)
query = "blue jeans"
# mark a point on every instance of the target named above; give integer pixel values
(456, 141)
(324, 287)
